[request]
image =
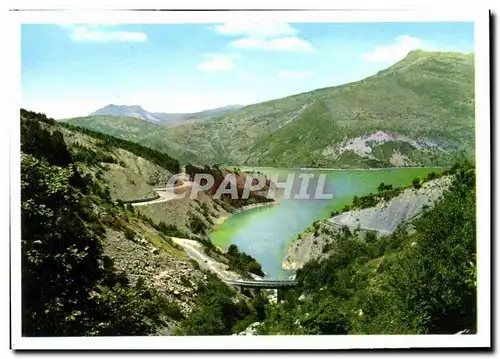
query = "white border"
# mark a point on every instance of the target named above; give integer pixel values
(179, 17)
(482, 339)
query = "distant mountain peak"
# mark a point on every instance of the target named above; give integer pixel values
(140, 113)
(135, 107)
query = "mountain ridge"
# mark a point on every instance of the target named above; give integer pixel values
(170, 119)
(417, 112)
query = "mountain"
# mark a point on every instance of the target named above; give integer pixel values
(417, 112)
(127, 111)
(163, 118)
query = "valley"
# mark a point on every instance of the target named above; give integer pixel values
(395, 150)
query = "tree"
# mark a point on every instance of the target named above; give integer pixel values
(260, 303)
(233, 250)
(217, 312)
(255, 268)
(431, 176)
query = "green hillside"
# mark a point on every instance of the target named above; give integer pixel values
(420, 111)
(146, 133)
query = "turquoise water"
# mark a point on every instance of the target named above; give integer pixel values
(266, 232)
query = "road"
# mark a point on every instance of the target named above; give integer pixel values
(167, 194)
(195, 251)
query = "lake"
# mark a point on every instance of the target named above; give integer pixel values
(266, 232)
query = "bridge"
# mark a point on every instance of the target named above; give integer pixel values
(263, 283)
(256, 285)
(195, 251)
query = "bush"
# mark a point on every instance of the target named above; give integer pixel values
(383, 187)
(217, 312)
(416, 183)
(173, 311)
(197, 225)
(129, 234)
(195, 264)
(169, 230)
(371, 237)
(431, 176)
(242, 262)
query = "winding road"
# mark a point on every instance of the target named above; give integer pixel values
(167, 194)
(195, 249)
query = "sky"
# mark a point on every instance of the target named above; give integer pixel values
(73, 70)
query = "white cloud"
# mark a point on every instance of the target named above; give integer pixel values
(396, 51)
(259, 30)
(99, 33)
(295, 74)
(291, 43)
(270, 36)
(219, 62)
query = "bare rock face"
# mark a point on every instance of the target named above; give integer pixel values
(309, 246)
(384, 218)
(173, 277)
(252, 329)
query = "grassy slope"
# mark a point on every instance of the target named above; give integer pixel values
(427, 95)
(146, 133)
(132, 177)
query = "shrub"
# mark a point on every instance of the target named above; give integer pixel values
(431, 176)
(173, 311)
(370, 237)
(217, 312)
(129, 234)
(195, 264)
(383, 187)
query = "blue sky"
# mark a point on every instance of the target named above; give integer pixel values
(72, 70)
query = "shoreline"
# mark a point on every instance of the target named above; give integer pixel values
(222, 219)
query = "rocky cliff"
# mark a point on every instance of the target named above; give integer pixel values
(382, 219)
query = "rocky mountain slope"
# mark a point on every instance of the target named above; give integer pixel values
(418, 112)
(381, 219)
